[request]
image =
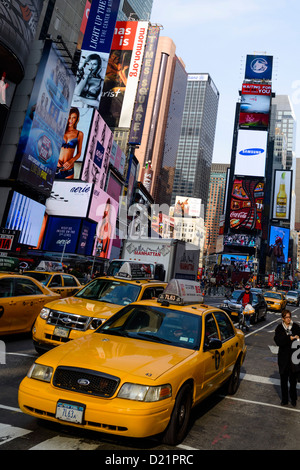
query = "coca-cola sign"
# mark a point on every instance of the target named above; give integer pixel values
(246, 204)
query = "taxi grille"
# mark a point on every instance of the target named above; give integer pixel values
(85, 381)
(76, 322)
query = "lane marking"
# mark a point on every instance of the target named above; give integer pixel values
(10, 408)
(253, 402)
(8, 433)
(64, 443)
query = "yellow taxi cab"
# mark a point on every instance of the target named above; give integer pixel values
(74, 316)
(142, 371)
(275, 300)
(62, 283)
(21, 300)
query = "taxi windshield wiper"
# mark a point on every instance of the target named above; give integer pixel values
(154, 338)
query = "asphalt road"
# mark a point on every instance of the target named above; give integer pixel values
(253, 419)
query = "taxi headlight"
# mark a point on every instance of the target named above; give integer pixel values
(40, 372)
(44, 313)
(145, 393)
(95, 323)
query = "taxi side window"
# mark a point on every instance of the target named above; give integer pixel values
(6, 288)
(56, 281)
(148, 293)
(69, 281)
(26, 287)
(225, 326)
(211, 330)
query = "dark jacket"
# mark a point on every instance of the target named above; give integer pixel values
(283, 341)
(240, 297)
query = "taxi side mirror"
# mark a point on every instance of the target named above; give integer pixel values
(213, 343)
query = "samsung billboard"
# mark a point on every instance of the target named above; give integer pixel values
(251, 153)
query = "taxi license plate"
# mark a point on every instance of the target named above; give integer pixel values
(71, 412)
(60, 331)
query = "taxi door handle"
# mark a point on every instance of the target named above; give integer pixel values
(222, 352)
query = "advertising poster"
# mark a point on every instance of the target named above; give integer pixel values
(279, 243)
(74, 142)
(62, 234)
(255, 104)
(69, 199)
(96, 45)
(246, 204)
(104, 211)
(44, 126)
(25, 215)
(142, 96)
(253, 121)
(187, 207)
(251, 153)
(122, 73)
(259, 67)
(98, 153)
(282, 195)
(256, 89)
(86, 238)
(114, 187)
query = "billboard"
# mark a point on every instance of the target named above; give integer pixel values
(44, 125)
(187, 207)
(256, 89)
(255, 103)
(25, 215)
(98, 153)
(104, 211)
(241, 240)
(258, 67)
(96, 45)
(246, 204)
(282, 195)
(253, 120)
(279, 243)
(251, 153)
(69, 198)
(62, 234)
(141, 101)
(123, 72)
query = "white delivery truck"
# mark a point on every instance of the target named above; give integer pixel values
(172, 259)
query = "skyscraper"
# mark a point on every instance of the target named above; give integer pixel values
(195, 149)
(285, 125)
(135, 10)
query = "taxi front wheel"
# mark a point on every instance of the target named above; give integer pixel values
(180, 417)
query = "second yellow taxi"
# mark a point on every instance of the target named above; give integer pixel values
(62, 283)
(142, 371)
(69, 318)
(276, 301)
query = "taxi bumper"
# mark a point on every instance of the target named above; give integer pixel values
(274, 306)
(114, 416)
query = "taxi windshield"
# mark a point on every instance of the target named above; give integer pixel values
(107, 290)
(43, 278)
(273, 295)
(158, 324)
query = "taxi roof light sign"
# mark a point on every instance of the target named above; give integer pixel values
(136, 270)
(181, 292)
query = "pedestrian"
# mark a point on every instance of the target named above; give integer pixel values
(245, 298)
(285, 334)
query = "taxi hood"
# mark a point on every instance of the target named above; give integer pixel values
(80, 306)
(119, 356)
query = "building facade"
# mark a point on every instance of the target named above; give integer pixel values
(196, 142)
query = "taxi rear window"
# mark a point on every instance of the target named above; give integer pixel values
(43, 278)
(114, 292)
(168, 326)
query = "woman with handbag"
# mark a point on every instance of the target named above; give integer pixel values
(285, 334)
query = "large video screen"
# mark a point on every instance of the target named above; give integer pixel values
(246, 204)
(279, 243)
(25, 215)
(251, 153)
(259, 67)
(282, 195)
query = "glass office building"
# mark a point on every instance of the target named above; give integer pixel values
(135, 10)
(197, 135)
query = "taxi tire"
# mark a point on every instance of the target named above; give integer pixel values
(234, 381)
(180, 417)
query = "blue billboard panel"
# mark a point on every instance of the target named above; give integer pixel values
(95, 51)
(45, 122)
(259, 67)
(279, 243)
(62, 232)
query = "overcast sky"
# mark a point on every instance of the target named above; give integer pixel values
(214, 36)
